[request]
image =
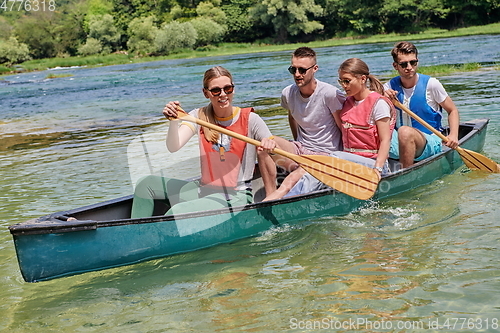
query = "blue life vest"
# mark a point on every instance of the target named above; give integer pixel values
(418, 104)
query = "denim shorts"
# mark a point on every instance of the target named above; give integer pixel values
(432, 147)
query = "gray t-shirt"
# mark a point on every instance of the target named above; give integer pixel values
(317, 129)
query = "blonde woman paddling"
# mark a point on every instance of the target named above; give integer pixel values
(227, 164)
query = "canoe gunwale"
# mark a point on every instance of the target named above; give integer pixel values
(477, 126)
(58, 222)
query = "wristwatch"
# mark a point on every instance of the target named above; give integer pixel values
(379, 169)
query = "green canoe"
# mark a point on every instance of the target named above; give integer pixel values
(103, 235)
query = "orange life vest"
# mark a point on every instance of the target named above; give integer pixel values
(220, 165)
(358, 135)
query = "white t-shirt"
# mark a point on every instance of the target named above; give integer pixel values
(434, 94)
(381, 110)
(317, 129)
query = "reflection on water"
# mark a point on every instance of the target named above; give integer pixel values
(424, 255)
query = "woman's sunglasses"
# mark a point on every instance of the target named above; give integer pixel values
(344, 82)
(404, 64)
(301, 70)
(217, 91)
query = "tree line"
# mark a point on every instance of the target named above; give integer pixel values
(63, 28)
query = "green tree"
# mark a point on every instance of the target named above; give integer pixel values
(176, 12)
(181, 14)
(344, 17)
(142, 34)
(92, 46)
(473, 12)
(409, 16)
(102, 28)
(96, 8)
(209, 10)
(288, 17)
(174, 36)
(208, 31)
(125, 11)
(71, 27)
(39, 30)
(99, 7)
(13, 52)
(6, 29)
(53, 33)
(239, 27)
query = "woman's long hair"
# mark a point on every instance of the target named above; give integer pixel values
(207, 113)
(358, 67)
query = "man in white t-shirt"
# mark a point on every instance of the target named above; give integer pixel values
(310, 104)
(426, 97)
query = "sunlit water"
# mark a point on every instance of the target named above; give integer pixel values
(425, 258)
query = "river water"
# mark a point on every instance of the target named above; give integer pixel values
(426, 260)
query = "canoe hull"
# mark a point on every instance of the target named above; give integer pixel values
(50, 255)
(104, 236)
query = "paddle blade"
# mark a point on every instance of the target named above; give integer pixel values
(347, 177)
(476, 161)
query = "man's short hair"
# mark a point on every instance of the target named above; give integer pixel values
(403, 48)
(304, 52)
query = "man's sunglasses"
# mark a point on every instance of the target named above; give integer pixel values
(404, 64)
(217, 91)
(301, 70)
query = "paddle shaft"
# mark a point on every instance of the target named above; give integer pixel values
(351, 178)
(472, 159)
(238, 136)
(420, 120)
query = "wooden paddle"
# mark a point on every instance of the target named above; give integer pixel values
(471, 159)
(351, 178)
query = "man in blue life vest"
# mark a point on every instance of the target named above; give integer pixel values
(425, 96)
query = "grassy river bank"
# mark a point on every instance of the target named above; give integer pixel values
(242, 48)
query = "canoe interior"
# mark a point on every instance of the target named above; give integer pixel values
(119, 209)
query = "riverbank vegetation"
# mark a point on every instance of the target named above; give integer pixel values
(242, 48)
(449, 69)
(93, 32)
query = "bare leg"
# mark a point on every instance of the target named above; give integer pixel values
(411, 144)
(287, 184)
(268, 166)
(284, 162)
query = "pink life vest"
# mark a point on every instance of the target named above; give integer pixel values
(358, 135)
(220, 165)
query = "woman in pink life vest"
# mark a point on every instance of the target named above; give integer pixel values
(367, 118)
(227, 164)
